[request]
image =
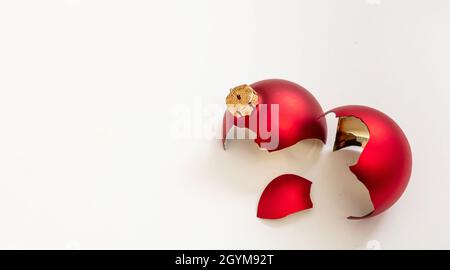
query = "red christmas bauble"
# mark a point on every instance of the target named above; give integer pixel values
(280, 112)
(385, 163)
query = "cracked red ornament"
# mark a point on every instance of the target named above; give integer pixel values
(280, 113)
(385, 163)
(285, 195)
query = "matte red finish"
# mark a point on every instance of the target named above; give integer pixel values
(385, 164)
(299, 113)
(285, 195)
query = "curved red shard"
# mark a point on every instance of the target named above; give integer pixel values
(385, 163)
(285, 195)
(284, 114)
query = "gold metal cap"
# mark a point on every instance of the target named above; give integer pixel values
(242, 100)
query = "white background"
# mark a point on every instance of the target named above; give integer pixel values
(88, 91)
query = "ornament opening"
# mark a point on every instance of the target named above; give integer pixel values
(351, 131)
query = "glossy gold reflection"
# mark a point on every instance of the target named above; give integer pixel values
(351, 131)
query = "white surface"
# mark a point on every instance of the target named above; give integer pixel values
(87, 89)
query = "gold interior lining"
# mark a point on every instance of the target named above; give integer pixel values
(351, 131)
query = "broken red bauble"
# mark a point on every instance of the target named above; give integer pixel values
(285, 195)
(280, 113)
(385, 163)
